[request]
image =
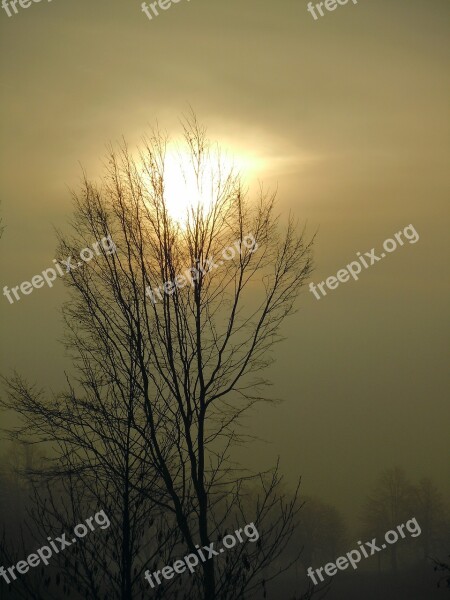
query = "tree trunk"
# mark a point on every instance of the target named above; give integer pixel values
(209, 580)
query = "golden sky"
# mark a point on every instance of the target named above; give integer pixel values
(347, 115)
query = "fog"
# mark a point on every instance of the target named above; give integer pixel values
(346, 118)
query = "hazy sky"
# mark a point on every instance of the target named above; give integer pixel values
(347, 116)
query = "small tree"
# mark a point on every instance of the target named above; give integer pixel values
(432, 515)
(322, 532)
(388, 505)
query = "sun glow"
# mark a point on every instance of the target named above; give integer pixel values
(184, 190)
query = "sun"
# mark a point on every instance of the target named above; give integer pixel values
(185, 190)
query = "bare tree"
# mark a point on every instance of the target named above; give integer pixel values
(168, 364)
(322, 532)
(96, 464)
(389, 505)
(432, 514)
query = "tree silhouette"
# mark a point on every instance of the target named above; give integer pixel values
(150, 425)
(322, 532)
(432, 515)
(389, 505)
